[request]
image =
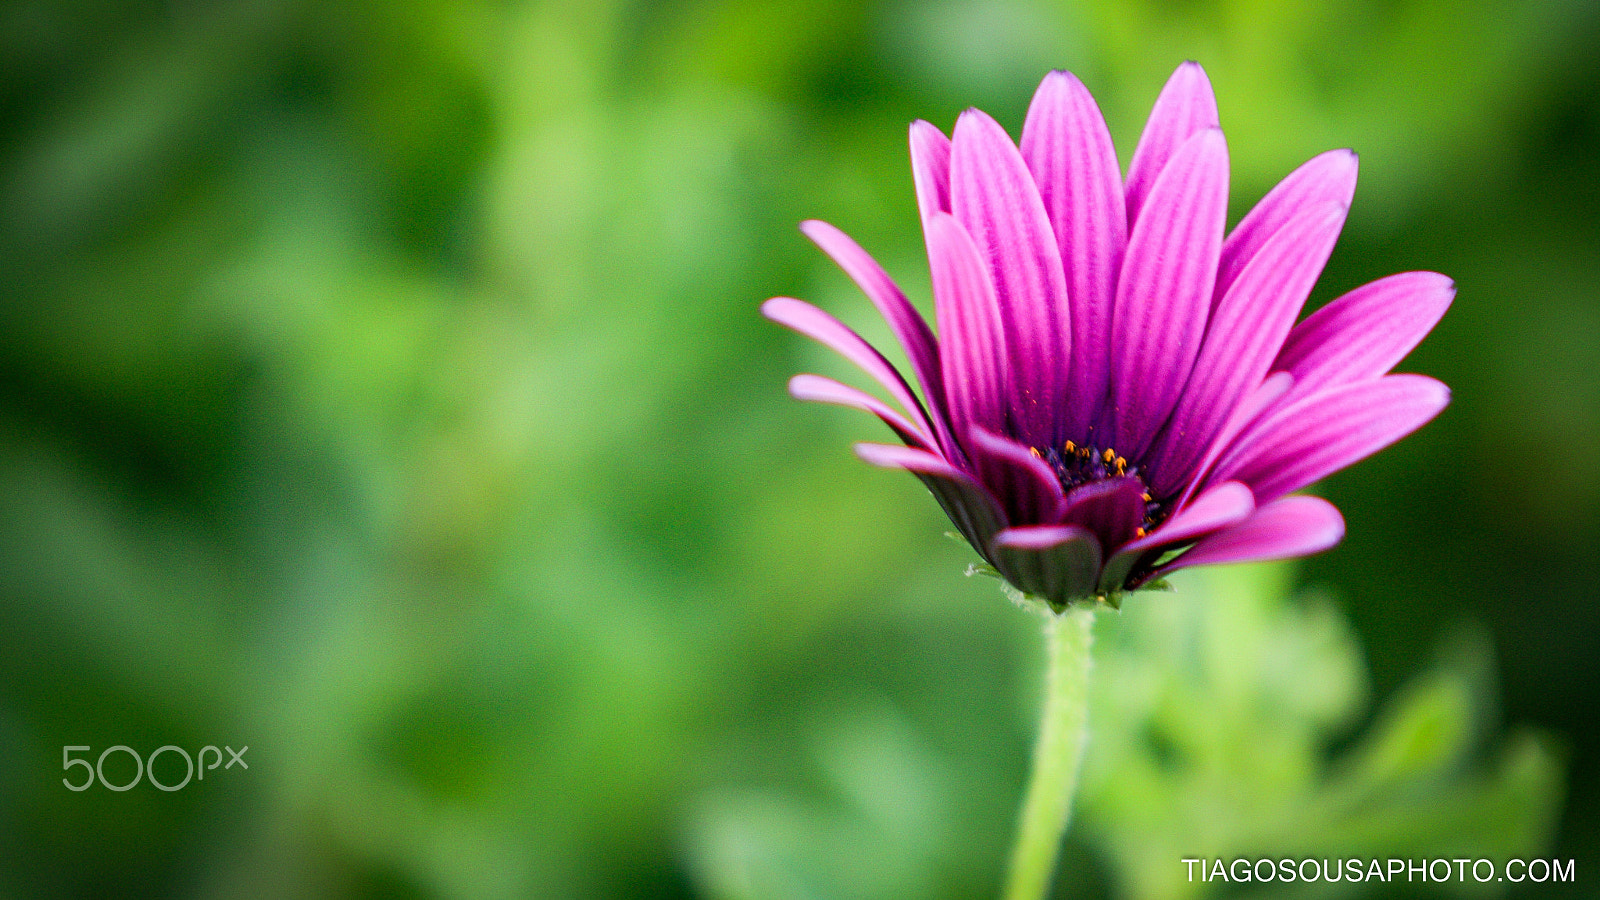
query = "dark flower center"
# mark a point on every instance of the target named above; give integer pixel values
(1077, 465)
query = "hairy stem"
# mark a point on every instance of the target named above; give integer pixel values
(1063, 731)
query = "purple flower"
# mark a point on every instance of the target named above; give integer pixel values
(1116, 390)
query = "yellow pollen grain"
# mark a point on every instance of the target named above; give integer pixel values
(1069, 448)
(1146, 497)
(1138, 532)
(1036, 453)
(1108, 456)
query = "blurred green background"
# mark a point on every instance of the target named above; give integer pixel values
(382, 389)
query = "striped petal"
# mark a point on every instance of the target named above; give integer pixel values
(1025, 484)
(1222, 506)
(904, 320)
(1261, 399)
(1283, 529)
(1366, 332)
(1068, 149)
(1328, 431)
(994, 197)
(930, 169)
(1244, 336)
(818, 389)
(973, 345)
(1111, 508)
(1329, 176)
(1164, 294)
(836, 336)
(1185, 108)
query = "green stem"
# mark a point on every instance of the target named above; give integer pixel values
(1063, 731)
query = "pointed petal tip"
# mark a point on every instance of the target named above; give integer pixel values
(1329, 431)
(1191, 76)
(1340, 169)
(1364, 333)
(1427, 393)
(1185, 106)
(973, 117)
(1442, 395)
(1059, 79)
(1211, 140)
(1432, 281)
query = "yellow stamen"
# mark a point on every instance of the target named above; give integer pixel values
(1138, 532)
(1036, 453)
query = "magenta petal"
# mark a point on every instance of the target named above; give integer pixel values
(1244, 335)
(1329, 176)
(1069, 152)
(836, 336)
(1113, 509)
(1262, 398)
(1364, 333)
(818, 389)
(908, 326)
(1328, 431)
(1026, 485)
(1108, 362)
(972, 351)
(1057, 562)
(1164, 294)
(993, 196)
(1186, 107)
(1285, 528)
(971, 508)
(1220, 507)
(930, 169)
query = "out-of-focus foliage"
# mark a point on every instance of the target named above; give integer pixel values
(1212, 714)
(1214, 718)
(381, 387)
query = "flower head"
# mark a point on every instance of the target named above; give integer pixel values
(1116, 389)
